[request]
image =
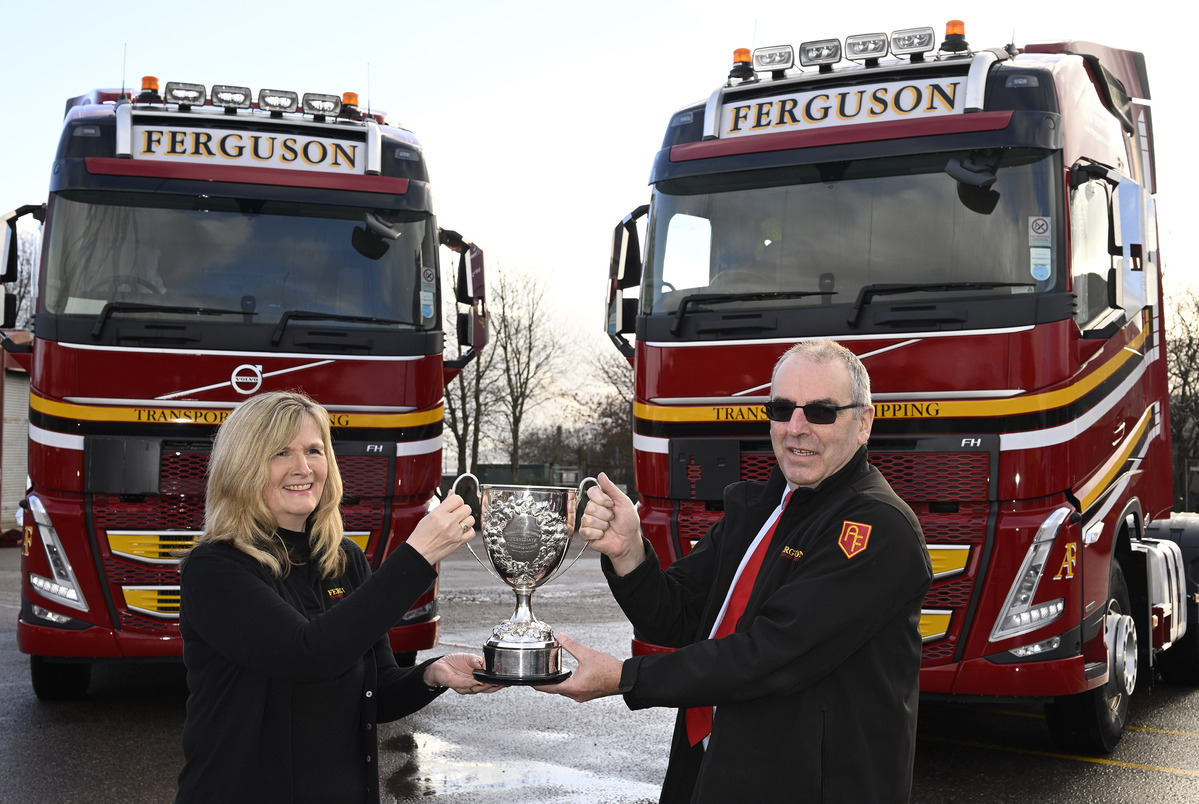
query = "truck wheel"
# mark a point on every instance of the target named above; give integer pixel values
(1094, 720)
(59, 681)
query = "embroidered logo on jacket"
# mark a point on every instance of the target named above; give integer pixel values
(336, 593)
(854, 537)
(792, 553)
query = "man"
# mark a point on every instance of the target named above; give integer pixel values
(815, 684)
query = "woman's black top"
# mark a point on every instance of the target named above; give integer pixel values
(288, 677)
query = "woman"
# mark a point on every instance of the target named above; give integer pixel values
(285, 628)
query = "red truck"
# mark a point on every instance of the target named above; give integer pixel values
(978, 226)
(200, 245)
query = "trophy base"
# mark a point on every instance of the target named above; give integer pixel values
(522, 664)
(522, 681)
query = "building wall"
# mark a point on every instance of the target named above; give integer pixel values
(15, 466)
(14, 435)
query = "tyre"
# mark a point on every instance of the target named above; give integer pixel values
(406, 658)
(1093, 721)
(59, 681)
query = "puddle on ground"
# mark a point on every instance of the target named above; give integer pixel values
(420, 766)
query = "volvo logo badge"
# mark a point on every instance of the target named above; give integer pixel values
(246, 378)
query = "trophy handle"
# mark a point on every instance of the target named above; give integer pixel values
(580, 504)
(476, 510)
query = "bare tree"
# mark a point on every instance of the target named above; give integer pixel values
(1182, 346)
(471, 407)
(615, 372)
(528, 349)
(471, 397)
(601, 435)
(611, 426)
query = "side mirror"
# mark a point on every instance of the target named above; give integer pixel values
(624, 268)
(466, 329)
(1128, 236)
(469, 290)
(21, 352)
(624, 271)
(1126, 211)
(464, 287)
(10, 255)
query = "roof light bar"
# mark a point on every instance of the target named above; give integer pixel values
(186, 95)
(913, 41)
(278, 101)
(321, 105)
(775, 58)
(231, 98)
(866, 47)
(823, 53)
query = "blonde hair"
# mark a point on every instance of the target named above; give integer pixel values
(238, 470)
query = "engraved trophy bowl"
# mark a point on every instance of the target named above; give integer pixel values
(526, 532)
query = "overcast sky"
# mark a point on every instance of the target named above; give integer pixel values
(539, 119)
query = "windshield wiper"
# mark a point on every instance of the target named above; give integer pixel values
(140, 307)
(720, 298)
(307, 315)
(868, 292)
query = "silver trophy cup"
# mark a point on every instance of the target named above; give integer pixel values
(526, 532)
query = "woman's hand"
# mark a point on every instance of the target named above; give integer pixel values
(456, 671)
(443, 530)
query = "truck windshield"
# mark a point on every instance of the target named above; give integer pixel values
(823, 232)
(262, 258)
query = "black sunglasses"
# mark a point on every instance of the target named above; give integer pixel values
(781, 410)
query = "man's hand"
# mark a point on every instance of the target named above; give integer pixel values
(597, 676)
(611, 526)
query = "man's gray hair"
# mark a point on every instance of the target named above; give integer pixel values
(829, 352)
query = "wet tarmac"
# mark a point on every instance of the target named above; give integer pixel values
(121, 742)
(520, 745)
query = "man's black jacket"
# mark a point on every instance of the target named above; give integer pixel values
(816, 691)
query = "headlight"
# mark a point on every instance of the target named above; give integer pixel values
(1019, 615)
(62, 587)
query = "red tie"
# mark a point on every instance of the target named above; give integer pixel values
(699, 718)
